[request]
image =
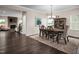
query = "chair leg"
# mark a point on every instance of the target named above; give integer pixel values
(53, 38)
(67, 39)
(57, 39)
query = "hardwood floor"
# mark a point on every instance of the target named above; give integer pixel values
(13, 43)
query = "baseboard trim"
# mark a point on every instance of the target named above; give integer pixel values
(32, 35)
(72, 37)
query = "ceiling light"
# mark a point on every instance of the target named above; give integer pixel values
(51, 13)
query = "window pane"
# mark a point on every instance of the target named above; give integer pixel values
(2, 21)
(74, 22)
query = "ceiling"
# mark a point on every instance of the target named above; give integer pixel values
(47, 8)
(41, 8)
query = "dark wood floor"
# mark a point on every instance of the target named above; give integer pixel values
(13, 43)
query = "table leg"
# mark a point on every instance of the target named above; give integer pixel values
(65, 40)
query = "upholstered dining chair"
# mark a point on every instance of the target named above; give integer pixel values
(65, 34)
(42, 31)
(51, 35)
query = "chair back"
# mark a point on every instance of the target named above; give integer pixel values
(42, 27)
(66, 30)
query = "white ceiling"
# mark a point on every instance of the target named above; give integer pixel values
(47, 8)
(41, 8)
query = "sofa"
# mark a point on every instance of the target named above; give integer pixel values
(4, 28)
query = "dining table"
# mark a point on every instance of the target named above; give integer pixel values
(46, 32)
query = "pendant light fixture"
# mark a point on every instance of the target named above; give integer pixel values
(51, 13)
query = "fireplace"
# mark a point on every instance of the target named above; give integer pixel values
(12, 26)
(12, 22)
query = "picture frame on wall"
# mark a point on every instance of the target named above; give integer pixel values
(38, 21)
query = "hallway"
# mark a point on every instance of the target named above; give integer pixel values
(13, 43)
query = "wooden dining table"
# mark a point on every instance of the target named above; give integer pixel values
(55, 31)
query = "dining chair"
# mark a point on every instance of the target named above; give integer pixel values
(50, 34)
(65, 34)
(41, 30)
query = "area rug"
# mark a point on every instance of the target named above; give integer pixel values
(69, 48)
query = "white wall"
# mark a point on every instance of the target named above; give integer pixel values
(31, 28)
(24, 23)
(67, 14)
(4, 13)
(9, 12)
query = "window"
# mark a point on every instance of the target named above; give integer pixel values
(2, 21)
(74, 22)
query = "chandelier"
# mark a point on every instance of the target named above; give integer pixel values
(51, 12)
